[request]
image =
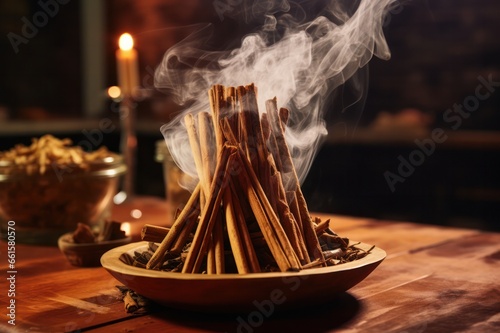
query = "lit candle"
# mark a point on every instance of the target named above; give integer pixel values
(128, 72)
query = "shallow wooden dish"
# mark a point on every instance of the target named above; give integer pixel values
(239, 292)
(87, 254)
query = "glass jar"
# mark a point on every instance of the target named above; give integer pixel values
(45, 205)
(174, 178)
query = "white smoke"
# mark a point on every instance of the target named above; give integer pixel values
(300, 68)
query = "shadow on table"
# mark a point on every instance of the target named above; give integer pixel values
(312, 318)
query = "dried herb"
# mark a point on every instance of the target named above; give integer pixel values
(336, 250)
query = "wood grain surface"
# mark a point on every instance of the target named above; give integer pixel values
(434, 279)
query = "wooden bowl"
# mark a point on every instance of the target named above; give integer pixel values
(232, 293)
(87, 254)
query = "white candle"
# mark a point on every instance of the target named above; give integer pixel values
(128, 71)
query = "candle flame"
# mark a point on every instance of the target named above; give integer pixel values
(126, 42)
(126, 227)
(114, 92)
(136, 213)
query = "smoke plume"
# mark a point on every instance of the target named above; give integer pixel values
(298, 60)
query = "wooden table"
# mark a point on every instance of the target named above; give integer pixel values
(434, 279)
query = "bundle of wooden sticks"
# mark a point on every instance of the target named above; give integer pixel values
(247, 186)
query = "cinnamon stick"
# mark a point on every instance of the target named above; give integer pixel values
(289, 224)
(217, 98)
(185, 234)
(251, 132)
(153, 233)
(196, 151)
(273, 245)
(211, 265)
(235, 239)
(209, 212)
(278, 131)
(215, 255)
(192, 207)
(312, 243)
(218, 244)
(244, 232)
(322, 226)
(273, 232)
(208, 149)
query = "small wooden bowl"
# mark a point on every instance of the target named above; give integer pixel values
(87, 254)
(233, 293)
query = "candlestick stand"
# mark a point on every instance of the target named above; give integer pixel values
(135, 210)
(128, 143)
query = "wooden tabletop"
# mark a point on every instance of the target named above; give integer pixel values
(434, 279)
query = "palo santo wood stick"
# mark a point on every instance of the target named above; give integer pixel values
(192, 207)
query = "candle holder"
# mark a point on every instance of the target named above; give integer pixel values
(131, 208)
(128, 144)
(128, 139)
(128, 82)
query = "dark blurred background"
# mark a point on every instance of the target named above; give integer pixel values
(54, 76)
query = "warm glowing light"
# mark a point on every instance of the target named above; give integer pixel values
(126, 227)
(119, 198)
(126, 42)
(114, 92)
(136, 213)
